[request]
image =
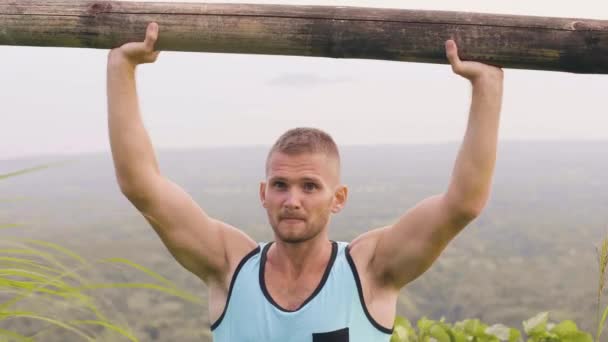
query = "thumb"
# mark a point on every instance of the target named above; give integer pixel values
(451, 51)
(151, 36)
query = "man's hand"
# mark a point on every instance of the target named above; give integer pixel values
(472, 71)
(138, 52)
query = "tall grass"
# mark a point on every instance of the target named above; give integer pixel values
(52, 288)
(602, 259)
(46, 283)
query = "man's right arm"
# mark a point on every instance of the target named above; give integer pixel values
(206, 247)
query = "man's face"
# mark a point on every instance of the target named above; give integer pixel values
(300, 193)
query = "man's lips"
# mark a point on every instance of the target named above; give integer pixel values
(294, 219)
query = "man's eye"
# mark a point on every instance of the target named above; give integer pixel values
(279, 185)
(310, 186)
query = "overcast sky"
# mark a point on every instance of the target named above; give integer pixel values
(53, 100)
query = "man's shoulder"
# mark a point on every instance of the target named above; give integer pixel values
(364, 245)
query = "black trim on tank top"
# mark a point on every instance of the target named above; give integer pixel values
(360, 290)
(232, 281)
(334, 252)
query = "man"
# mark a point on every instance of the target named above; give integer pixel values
(302, 286)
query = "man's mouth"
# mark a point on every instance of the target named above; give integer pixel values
(292, 219)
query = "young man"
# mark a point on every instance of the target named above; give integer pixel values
(302, 286)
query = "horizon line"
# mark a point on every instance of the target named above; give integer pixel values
(69, 155)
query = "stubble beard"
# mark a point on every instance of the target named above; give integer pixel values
(308, 232)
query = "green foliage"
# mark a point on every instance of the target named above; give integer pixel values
(53, 277)
(53, 282)
(602, 259)
(51, 285)
(24, 171)
(537, 329)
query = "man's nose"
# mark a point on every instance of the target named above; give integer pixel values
(292, 201)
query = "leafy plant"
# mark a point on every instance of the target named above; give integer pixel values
(537, 329)
(52, 277)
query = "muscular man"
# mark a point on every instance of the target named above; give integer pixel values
(303, 286)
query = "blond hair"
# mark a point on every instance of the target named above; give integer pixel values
(305, 140)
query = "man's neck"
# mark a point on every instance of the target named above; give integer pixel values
(294, 259)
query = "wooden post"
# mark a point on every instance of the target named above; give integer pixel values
(559, 44)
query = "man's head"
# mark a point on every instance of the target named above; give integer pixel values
(302, 187)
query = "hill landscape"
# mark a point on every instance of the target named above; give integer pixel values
(531, 250)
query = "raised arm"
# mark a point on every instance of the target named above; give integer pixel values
(404, 250)
(204, 246)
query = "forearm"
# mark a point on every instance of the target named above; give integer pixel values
(474, 167)
(132, 150)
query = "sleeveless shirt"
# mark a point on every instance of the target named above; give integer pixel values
(334, 312)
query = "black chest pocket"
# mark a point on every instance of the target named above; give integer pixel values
(332, 336)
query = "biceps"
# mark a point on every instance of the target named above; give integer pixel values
(408, 248)
(190, 235)
(400, 262)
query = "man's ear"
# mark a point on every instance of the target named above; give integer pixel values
(263, 193)
(340, 198)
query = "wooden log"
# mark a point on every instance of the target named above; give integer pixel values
(524, 42)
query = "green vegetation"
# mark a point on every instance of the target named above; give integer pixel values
(528, 253)
(602, 258)
(537, 328)
(49, 284)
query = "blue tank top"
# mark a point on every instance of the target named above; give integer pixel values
(334, 312)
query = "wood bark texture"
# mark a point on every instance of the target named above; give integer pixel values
(523, 42)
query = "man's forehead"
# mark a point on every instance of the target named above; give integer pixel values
(313, 163)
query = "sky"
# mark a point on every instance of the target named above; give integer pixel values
(53, 101)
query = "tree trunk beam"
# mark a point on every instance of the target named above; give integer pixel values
(522, 42)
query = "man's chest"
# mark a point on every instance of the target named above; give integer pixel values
(290, 294)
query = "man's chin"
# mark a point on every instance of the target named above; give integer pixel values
(292, 234)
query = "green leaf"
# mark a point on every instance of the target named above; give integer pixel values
(22, 261)
(424, 325)
(57, 248)
(565, 328)
(600, 327)
(579, 336)
(536, 324)
(474, 327)
(514, 335)
(403, 330)
(24, 171)
(459, 336)
(439, 333)
(500, 331)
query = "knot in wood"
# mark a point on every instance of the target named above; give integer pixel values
(587, 26)
(99, 7)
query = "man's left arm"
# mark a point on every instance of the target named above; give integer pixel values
(408, 248)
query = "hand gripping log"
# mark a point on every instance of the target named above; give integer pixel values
(523, 42)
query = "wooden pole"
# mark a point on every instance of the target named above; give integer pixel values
(524, 42)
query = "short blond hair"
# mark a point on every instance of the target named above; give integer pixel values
(305, 140)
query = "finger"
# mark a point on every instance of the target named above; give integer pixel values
(451, 51)
(151, 36)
